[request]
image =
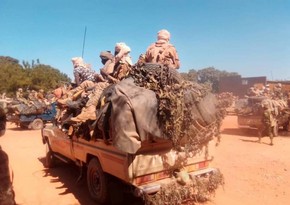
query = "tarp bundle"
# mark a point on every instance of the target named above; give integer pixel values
(34, 108)
(159, 103)
(133, 116)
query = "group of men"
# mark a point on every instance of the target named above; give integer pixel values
(116, 67)
(31, 96)
(275, 93)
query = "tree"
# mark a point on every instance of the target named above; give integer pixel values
(190, 76)
(36, 76)
(212, 76)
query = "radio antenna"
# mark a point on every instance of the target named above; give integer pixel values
(84, 41)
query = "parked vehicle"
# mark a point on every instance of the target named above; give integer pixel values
(250, 114)
(33, 121)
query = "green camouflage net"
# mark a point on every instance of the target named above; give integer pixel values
(184, 112)
(198, 189)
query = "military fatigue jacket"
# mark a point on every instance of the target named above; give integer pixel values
(163, 53)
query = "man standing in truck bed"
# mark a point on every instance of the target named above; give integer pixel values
(162, 52)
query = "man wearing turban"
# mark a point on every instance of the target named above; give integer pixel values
(162, 52)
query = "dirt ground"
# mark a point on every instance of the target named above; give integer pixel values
(255, 173)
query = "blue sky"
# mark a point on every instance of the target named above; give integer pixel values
(251, 37)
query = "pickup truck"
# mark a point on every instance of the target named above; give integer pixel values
(35, 121)
(250, 115)
(155, 166)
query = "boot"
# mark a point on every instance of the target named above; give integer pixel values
(88, 113)
(271, 143)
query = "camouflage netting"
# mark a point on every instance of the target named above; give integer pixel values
(255, 105)
(198, 189)
(226, 100)
(187, 111)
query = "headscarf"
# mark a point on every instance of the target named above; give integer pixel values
(122, 52)
(163, 35)
(105, 56)
(77, 61)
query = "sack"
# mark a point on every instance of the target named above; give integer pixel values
(207, 108)
(133, 116)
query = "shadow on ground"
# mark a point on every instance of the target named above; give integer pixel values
(249, 132)
(68, 174)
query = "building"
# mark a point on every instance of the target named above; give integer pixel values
(239, 86)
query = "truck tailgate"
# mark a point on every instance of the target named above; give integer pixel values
(157, 161)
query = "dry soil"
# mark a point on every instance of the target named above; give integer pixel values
(255, 173)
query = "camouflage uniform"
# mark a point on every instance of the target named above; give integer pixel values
(268, 124)
(116, 68)
(19, 96)
(6, 189)
(89, 111)
(162, 51)
(81, 71)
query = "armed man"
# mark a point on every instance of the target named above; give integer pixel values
(162, 52)
(269, 123)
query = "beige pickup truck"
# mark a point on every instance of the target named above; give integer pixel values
(250, 114)
(154, 166)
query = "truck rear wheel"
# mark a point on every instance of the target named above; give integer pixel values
(49, 157)
(97, 182)
(36, 124)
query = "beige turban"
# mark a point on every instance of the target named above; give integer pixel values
(163, 35)
(123, 50)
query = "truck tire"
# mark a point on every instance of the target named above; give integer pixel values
(50, 159)
(97, 182)
(36, 124)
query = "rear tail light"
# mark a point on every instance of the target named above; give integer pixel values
(167, 174)
(152, 177)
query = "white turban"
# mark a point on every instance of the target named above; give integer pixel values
(163, 35)
(122, 47)
(77, 61)
(123, 50)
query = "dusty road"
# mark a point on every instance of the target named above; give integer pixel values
(254, 173)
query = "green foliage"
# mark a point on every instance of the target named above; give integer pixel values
(208, 76)
(190, 76)
(28, 76)
(212, 76)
